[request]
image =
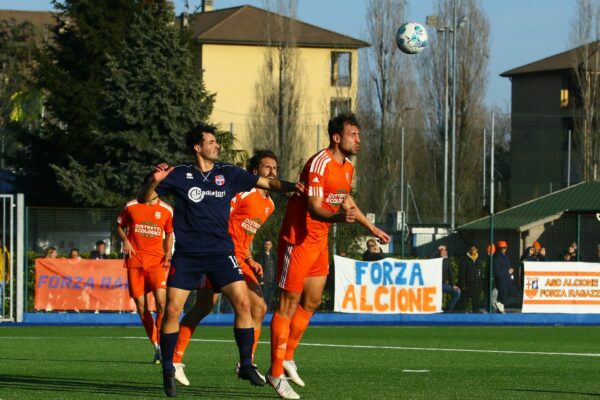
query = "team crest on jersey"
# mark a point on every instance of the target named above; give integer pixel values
(189, 175)
(157, 215)
(220, 180)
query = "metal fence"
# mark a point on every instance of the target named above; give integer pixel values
(81, 228)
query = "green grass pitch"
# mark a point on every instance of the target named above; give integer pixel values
(337, 363)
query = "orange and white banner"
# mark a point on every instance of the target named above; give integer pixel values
(65, 284)
(561, 287)
(388, 286)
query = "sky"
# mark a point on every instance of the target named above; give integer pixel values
(522, 31)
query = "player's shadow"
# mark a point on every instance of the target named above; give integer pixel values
(596, 394)
(124, 388)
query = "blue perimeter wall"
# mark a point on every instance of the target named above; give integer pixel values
(327, 319)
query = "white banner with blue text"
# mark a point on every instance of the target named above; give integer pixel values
(388, 286)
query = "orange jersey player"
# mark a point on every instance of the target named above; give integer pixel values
(303, 259)
(249, 211)
(147, 234)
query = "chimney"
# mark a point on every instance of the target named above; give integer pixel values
(207, 5)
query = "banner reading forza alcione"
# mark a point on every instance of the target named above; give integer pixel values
(561, 287)
(388, 286)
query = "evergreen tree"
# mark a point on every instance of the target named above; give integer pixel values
(136, 101)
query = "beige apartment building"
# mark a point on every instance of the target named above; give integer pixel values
(234, 44)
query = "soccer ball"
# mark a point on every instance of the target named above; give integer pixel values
(411, 38)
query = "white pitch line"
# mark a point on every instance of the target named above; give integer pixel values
(347, 346)
(416, 371)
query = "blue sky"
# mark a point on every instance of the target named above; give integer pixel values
(522, 31)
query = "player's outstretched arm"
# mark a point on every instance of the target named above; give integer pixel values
(147, 191)
(349, 204)
(277, 185)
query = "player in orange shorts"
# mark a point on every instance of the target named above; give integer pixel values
(147, 233)
(249, 211)
(303, 259)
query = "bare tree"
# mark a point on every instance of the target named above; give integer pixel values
(472, 55)
(585, 35)
(386, 106)
(279, 91)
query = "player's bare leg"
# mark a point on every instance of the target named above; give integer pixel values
(169, 332)
(237, 294)
(205, 301)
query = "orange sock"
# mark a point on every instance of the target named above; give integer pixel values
(256, 337)
(280, 330)
(148, 322)
(185, 334)
(298, 325)
(157, 324)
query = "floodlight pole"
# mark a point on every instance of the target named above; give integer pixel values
(453, 188)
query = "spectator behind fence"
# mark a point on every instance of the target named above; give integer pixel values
(51, 252)
(373, 252)
(471, 280)
(448, 278)
(74, 254)
(100, 252)
(266, 258)
(506, 277)
(572, 253)
(534, 253)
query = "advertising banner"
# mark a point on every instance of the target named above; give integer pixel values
(561, 287)
(388, 286)
(95, 285)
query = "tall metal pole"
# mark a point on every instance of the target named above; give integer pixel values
(492, 179)
(446, 28)
(453, 190)
(569, 162)
(491, 266)
(402, 172)
(484, 165)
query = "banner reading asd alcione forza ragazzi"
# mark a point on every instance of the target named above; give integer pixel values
(388, 286)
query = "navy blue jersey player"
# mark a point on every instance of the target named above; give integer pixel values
(202, 192)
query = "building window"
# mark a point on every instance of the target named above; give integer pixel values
(340, 105)
(564, 98)
(340, 68)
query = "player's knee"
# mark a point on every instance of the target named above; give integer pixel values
(259, 311)
(311, 305)
(172, 311)
(241, 305)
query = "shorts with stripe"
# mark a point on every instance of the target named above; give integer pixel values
(146, 280)
(297, 262)
(189, 271)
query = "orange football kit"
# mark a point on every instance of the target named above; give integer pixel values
(146, 226)
(302, 249)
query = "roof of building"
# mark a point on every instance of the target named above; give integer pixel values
(582, 197)
(248, 25)
(561, 61)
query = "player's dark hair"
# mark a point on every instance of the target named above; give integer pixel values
(254, 161)
(196, 135)
(336, 124)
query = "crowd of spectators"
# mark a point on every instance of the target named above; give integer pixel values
(98, 253)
